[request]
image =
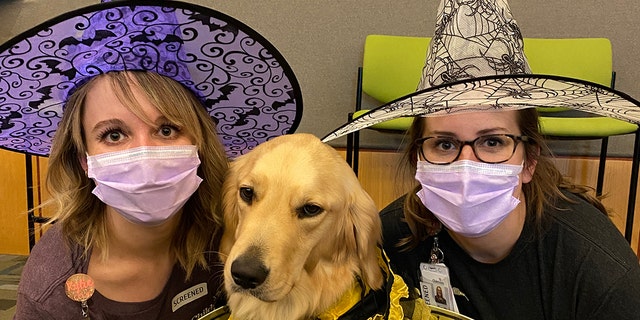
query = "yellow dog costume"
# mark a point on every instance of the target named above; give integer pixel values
(393, 301)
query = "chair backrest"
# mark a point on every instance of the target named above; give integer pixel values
(392, 65)
(581, 58)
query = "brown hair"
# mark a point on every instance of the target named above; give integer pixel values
(542, 191)
(81, 214)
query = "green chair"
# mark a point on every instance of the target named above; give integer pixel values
(392, 67)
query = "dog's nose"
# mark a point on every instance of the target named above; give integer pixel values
(248, 272)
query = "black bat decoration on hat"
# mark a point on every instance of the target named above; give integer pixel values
(225, 91)
(242, 120)
(279, 104)
(99, 36)
(145, 38)
(206, 20)
(46, 95)
(53, 65)
(5, 122)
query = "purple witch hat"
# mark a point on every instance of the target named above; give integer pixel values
(476, 62)
(244, 83)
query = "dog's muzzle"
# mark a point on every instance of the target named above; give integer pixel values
(248, 271)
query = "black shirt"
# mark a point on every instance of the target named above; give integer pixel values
(579, 267)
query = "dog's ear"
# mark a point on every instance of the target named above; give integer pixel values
(229, 209)
(362, 234)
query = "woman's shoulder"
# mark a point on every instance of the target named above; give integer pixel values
(581, 222)
(394, 225)
(394, 209)
(49, 265)
(580, 215)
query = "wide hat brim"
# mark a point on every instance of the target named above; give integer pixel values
(244, 82)
(501, 92)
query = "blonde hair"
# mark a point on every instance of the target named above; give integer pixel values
(81, 214)
(543, 191)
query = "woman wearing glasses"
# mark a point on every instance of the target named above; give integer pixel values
(493, 209)
(491, 221)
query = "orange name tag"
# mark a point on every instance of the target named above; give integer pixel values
(79, 287)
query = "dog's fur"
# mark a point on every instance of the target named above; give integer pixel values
(298, 229)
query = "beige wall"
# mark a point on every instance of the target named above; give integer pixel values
(322, 40)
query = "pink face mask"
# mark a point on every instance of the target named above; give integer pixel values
(146, 185)
(470, 198)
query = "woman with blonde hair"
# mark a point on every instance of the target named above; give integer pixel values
(139, 213)
(145, 103)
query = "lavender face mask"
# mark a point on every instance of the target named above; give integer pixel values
(470, 198)
(146, 185)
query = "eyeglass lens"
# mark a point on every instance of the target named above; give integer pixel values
(490, 148)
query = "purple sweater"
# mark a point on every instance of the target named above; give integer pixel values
(41, 293)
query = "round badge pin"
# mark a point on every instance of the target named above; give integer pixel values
(79, 287)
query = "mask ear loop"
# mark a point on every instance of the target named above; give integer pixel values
(437, 255)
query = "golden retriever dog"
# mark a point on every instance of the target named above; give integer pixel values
(298, 231)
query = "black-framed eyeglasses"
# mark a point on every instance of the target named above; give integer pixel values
(493, 148)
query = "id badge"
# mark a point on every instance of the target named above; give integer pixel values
(221, 313)
(435, 286)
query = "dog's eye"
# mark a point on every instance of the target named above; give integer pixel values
(309, 210)
(246, 194)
